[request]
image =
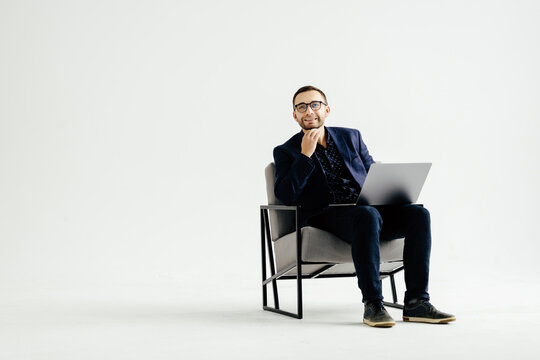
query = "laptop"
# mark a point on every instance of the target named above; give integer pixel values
(391, 184)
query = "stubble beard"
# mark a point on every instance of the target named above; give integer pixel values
(318, 125)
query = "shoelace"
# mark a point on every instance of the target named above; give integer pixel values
(431, 308)
(378, 305)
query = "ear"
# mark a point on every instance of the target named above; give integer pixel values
(327, 110)
(294, 115)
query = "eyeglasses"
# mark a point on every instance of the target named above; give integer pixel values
(314, 105)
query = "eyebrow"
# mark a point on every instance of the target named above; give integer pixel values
(308, 102)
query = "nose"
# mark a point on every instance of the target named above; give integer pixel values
(309, 110)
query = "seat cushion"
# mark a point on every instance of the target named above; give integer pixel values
(321, 246)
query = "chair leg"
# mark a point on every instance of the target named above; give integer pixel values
(299, 303)
(299, 299)
(263, 260)
(270, 258)
(393, 284)
(276, 308)
(267, 242)
(298, 314)
(394, 295)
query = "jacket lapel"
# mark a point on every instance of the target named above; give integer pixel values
(345, 153)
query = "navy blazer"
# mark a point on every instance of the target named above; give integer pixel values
(300, 180)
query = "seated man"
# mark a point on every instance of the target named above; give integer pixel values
(328, 165)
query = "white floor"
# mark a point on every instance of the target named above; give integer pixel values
(167, 321)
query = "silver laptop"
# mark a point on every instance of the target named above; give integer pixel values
(390, 184)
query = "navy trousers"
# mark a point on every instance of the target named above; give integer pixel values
(365, 226)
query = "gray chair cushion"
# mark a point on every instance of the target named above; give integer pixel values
(321, 246)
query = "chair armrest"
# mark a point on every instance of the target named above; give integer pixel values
(280, 207)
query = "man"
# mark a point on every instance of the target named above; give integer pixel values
(327, 165)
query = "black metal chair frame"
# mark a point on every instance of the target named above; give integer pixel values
(267, 249)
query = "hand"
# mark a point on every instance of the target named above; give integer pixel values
(309, 141)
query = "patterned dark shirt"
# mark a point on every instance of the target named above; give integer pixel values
(343, 188)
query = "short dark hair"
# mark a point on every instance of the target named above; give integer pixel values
(308, 88)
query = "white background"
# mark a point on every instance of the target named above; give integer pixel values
(134, 134)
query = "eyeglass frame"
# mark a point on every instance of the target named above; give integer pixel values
(310, 105)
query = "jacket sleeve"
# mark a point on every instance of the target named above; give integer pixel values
(364, 153)
(291, 175)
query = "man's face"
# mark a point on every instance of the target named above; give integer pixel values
(310, 119)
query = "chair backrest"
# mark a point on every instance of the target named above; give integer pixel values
(281, 222)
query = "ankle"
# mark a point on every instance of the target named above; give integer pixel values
(411, 302)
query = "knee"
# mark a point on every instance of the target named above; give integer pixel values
(419, 214)
(368, 216)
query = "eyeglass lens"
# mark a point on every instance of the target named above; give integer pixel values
(314, 105)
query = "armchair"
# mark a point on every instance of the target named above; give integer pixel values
(293, 253)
